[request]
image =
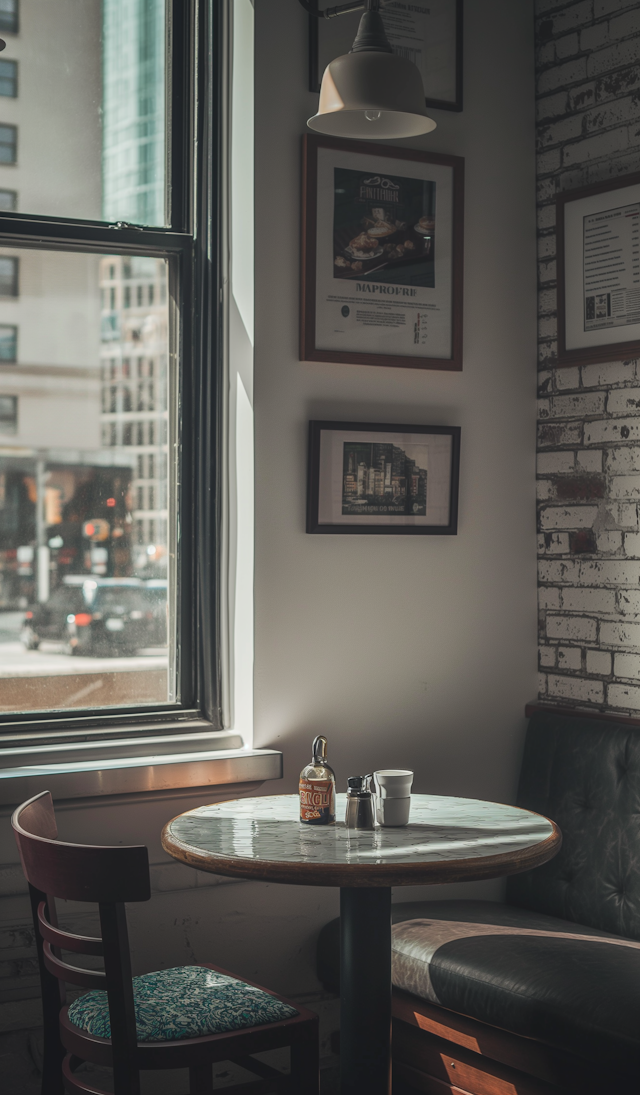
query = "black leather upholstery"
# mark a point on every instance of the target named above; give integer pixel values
(579, 994)
(585, 775)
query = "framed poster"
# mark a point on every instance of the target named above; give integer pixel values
(382, 253)
(599, 272)
(375, 478)
(427, 32)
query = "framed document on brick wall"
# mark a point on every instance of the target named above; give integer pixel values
(427, 32)
(598, 231)
(382, 254)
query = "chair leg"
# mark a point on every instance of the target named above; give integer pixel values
(305, 1063)
(201, 1080)
(52, 1058)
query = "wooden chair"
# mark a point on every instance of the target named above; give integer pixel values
(109, 877)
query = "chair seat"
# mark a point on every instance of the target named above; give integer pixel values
(563, 984)
(184, 1002)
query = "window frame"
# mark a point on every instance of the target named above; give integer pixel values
(191, 245)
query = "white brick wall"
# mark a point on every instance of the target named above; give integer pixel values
(588, 68)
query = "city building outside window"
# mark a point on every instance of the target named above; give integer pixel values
(9, 79)
(104, 289)
(8, 277)
(8, 413)
(8, 144)
(8, 343)
(9, 16)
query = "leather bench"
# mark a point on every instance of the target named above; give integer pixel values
(540, 995)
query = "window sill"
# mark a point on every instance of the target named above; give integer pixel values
(83, 775)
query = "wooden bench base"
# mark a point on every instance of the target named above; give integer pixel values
(442, 1053)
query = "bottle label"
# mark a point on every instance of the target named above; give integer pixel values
(317, 801)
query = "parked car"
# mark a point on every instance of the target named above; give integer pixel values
(99, 616)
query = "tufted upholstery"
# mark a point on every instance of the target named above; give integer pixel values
(585, 775)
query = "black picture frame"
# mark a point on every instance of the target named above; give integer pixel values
(317, 487)
(315, 75)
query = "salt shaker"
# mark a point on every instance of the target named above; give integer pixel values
(360, 811)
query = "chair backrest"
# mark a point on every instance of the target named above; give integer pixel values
(105, 876)
(584, 774)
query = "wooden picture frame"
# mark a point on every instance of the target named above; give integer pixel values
(398, 303)
(598, 255)
(329, 38)
(383, 479)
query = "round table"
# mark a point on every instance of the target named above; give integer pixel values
(447, 840)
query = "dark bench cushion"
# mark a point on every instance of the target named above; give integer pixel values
(565, 985)
(585, 775)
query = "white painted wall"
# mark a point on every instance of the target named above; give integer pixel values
(406, 651)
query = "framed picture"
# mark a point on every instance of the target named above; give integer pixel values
(427, 32)
(382, 254)
(375, 478)
(599, 272)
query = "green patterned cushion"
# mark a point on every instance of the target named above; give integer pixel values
(185, 1002)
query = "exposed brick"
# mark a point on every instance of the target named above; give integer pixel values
(567, 19)
(558, 571)
(617, 83)
(632, 544)
(626, 666)
(567, 517)
(624, 25)
(583, 96)
(583, 542)
(545, 383)
(595, 148)
(609, 372)
(628, 602)
(592, 38)
(627, 515)
(577, 406)
(623, 401)
(547, 162)
(568, 46)
(566, 379)
(549, 598)
(617, 430)
(607, 572)
(546, 217)
(589, 459)
(614, 113)
(571, 72)
(553, 434)
(618, 634)
(544, 490)
(606, 7)
(547, 305)
(553, 543)
(553, 106)
(557, 132)
(605, 60)
(588, 600)
(609, 542)
(548, 657)
(623, 459)
(579, 488)
(573, 688)
(569, 657)
(578, 628)
(599, 662)
(549, 462)
(623, 695)
(624, 486)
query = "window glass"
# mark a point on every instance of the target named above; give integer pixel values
(8, 144)
(9, 16)
(89, 111)
(8, 277)
(8, 79)
(8, 201)
(8, 342)
(87, 500)
(8, 413)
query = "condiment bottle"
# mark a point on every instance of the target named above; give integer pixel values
(359, 812)
(318, 788)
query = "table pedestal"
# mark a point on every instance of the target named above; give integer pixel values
(365, 991)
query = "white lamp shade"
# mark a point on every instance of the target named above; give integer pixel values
(371, 96)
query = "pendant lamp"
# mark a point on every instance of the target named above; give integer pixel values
(371, 93)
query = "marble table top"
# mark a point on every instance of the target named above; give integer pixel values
(447, 839)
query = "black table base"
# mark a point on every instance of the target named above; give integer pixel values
(365, 991)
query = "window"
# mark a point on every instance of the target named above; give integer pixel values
(112, 270)
(8, 277)
(9, 79)
(8, 343)
(8, 201)
(8, 413)
(8, 143)
(9, 16)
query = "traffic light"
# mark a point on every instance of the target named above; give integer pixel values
(96, 530)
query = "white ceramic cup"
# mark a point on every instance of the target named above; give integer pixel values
(393, 795)
(393, 782)
(394, 811)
